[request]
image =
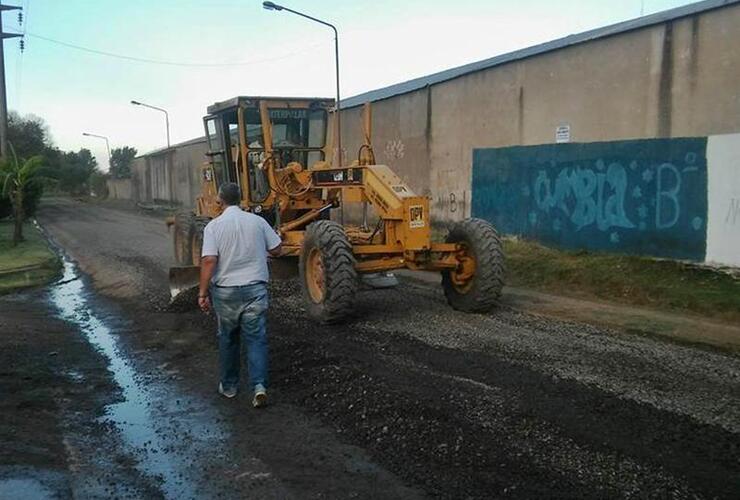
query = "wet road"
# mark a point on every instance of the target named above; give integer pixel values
(414, 399)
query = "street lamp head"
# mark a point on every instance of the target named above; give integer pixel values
(271, 6)
(85, 133)
(136, 103)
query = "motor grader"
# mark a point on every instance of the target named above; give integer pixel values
(280, 152)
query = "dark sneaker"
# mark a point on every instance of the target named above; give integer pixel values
(227, 393)
(260, 396)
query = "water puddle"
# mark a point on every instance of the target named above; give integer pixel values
(162, 444)
(24, 488)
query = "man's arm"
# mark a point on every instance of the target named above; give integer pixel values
(208, 263)
(207, 268)
(273, 243)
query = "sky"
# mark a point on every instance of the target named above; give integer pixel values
(218, 49)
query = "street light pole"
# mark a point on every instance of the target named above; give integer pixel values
(276, 7)
(166, 117)
(107, 144)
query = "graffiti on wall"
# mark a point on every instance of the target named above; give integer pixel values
(394, 150)
(453, 205)
(733, 212)
(645, 197)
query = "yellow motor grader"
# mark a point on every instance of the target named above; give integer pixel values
(280, 152)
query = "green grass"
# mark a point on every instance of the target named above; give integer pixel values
(32, 253)
(664, 285)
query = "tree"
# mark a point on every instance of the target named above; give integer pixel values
(30, 137)
(28, 134)
(16, 176)
(99, 184)
(120, 162)
(74, 171)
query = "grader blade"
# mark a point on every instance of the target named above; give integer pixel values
(183, 280)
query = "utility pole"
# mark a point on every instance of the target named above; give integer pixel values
(3, 94)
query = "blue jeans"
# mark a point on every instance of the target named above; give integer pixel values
(242, 312)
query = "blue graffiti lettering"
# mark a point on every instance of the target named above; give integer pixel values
(669, 195)
(583, 183)
(599, 197)
(614, 214)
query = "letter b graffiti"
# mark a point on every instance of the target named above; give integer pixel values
(667, 196)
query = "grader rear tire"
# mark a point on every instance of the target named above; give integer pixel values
(182, 235)
(196, 241)
(327, 272)
(476, 284)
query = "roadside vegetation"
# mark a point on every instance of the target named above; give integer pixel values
(34, 167)
(29, 263)
(15, 179)
(639, 281)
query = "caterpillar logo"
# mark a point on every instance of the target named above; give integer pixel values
(416, 216)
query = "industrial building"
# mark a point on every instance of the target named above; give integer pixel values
(619, 139)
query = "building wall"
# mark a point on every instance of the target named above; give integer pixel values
(171, 176)
(676, 79)
(644, 197)
(400, 138)
(119, 189)
(723, 224)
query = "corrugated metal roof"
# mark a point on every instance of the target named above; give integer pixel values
(614, 29)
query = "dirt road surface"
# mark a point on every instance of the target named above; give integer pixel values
(408, 400)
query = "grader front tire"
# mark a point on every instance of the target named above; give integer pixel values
(476, 285)
(327, 272)
(182, 236)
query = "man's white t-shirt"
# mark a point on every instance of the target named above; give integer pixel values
(241, 241)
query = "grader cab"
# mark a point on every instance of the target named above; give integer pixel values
(280, 152)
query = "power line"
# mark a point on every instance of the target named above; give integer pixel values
(160, 61)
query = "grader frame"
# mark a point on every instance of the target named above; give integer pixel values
(296, 198)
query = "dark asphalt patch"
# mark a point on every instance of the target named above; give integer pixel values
(384, 391)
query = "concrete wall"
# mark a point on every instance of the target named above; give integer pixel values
(119, 189)
(723, 219)
(677, 79)
(675, 198)
(645, 197)
(171, 176)
(400, 136)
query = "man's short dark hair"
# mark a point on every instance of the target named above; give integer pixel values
(229, 193)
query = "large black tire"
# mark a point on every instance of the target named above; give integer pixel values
(196, 245)
(182, 236)
(331, 298)
(481, 292)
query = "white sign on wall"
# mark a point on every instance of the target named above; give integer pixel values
(562, 134)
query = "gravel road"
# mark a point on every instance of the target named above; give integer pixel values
(412, 399)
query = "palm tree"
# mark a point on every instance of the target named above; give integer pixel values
(14, 178)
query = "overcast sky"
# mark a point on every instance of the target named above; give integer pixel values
(271, 53)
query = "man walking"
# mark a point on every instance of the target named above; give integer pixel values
(233, 279)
